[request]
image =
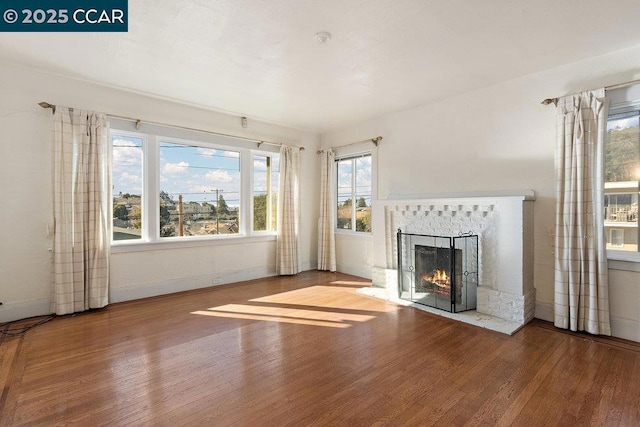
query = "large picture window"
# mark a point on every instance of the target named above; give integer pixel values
(166, 188)
(354, 193)
(199, 190)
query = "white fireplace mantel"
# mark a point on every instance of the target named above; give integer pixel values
(504, 224)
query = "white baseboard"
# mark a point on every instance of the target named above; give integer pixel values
(544, 311)
(146, 290)
(308, 265)
(625, 328)
(363, 271)
(620, 328)
(10, 311)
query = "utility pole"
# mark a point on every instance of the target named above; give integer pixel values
(180, 229)
(217, 190)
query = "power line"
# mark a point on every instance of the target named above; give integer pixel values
(7, 330)
(202, 167)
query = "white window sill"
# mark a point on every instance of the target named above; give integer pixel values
(623, 260)
(621, 224)
(191, 242)
(349, 233)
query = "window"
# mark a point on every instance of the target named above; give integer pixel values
(265, 191)
(617, 237)
(167, 188)
(126, 177)
(354, 193)
(622, 174)
(199, 190)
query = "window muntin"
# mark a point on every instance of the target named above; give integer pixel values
(265, 191)
(127, 181)
(354, 193)
(622, 174)
(199, 190)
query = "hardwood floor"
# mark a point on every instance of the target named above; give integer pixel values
(307, 350)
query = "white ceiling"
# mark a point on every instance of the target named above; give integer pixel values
(258, 58)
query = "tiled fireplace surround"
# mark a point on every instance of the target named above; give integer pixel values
(504, 224)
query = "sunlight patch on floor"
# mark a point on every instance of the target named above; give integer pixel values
(322, 316)
(335, 307)
(351, 283)
(331, 300)
(219, 312)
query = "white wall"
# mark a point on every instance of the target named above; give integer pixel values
(496, 138)
(25, 149)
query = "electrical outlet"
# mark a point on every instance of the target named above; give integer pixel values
(216, 280)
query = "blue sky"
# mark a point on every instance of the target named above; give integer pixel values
(194, 172)
(126, 166)
(363, 179)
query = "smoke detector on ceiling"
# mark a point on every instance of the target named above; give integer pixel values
(322, 36)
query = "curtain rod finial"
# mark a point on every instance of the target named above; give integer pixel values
(44, 104)
(549, 101)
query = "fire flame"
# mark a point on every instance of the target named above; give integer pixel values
(440, 278)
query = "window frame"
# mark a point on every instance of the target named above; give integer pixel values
(143, 203)
(271, 208)
(152, 136)
(354, 155)
(620, 109)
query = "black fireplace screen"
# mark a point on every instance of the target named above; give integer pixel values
(437, 271)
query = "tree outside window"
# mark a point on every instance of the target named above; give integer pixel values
(622, 174)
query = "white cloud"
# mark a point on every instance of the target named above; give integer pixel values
(234, 154)
(126, 167)
(363, 178)
(344, 178)
(196, 188)
(206, 152)
(259, 164)
(218, 176)
(175, 168)
(127, 178)
(126, 154)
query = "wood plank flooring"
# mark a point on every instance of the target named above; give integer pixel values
(307, 350)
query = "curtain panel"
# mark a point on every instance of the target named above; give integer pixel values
(81, 237)
(581, 275)
(288, 245)
(326, 222)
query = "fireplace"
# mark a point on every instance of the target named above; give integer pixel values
(438, 271)
(503, 222)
